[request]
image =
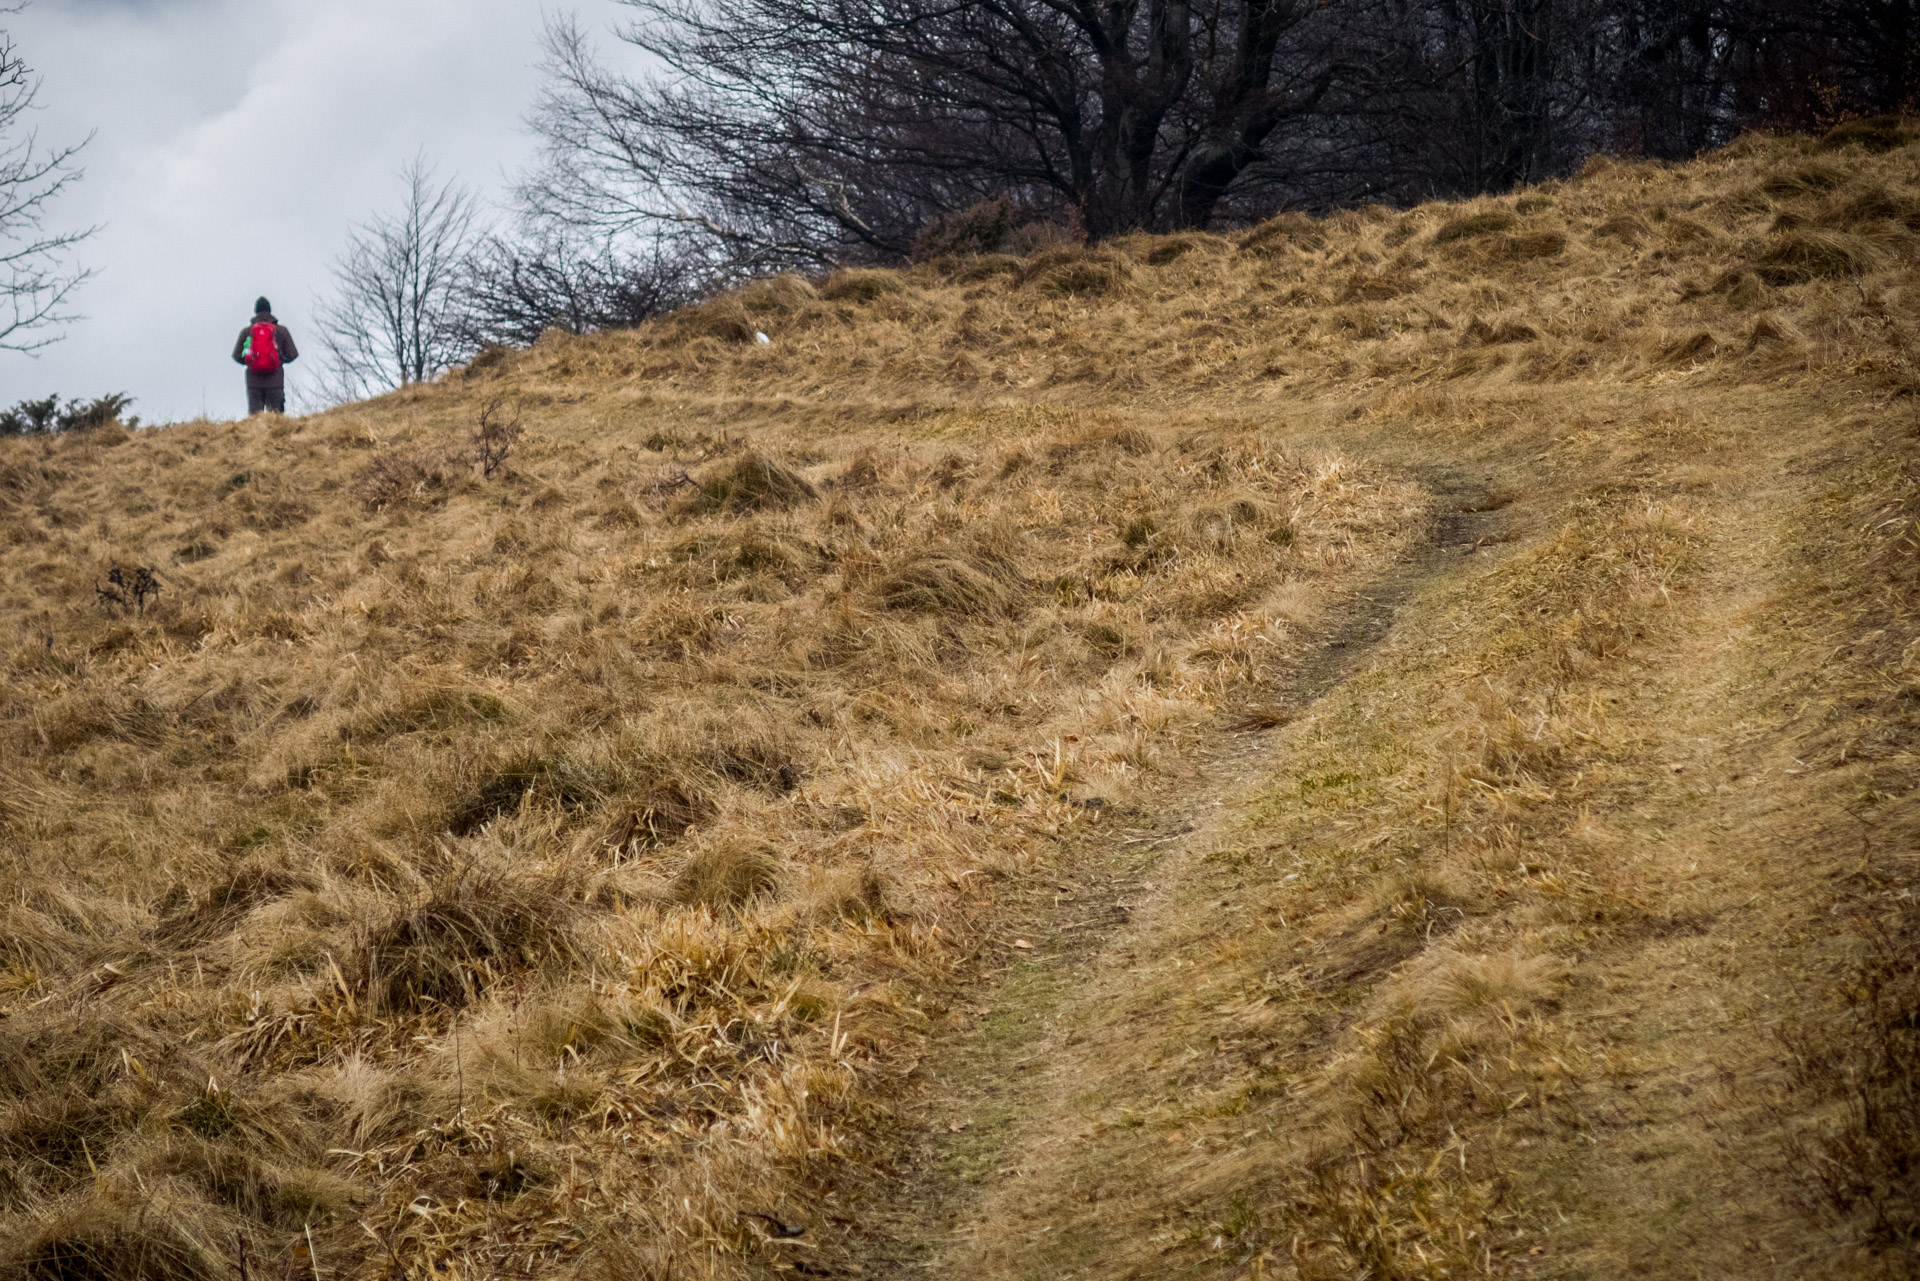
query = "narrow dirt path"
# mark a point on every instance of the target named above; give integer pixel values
(996, 1095)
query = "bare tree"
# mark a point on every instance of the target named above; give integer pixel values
(516, 287)
(807, 132)
(395, 315)
(37, 273)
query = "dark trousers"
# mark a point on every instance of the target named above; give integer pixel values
(262, 398)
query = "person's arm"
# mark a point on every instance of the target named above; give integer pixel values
(240, 348)
(284, 338)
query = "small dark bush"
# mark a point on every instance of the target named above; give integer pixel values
(44, 417)
(980, 228)
(496, 435)
(124, 592)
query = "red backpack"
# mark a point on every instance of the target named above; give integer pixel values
(263, 348)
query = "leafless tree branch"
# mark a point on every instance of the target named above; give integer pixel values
(394, 317)
(38, 274)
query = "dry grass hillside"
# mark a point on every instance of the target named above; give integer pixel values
(1379, 746)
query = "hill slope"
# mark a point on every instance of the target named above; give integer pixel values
(1377, 746)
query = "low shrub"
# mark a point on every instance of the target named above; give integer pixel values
(44, 417)
(980, 228)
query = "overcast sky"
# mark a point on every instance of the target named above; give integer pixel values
(237, 141)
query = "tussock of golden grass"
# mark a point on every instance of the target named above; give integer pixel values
(554, 871)
(1873, 134)
(859, 286)
(1802, 256)
(465, 934)
(751, 483)
(727, 874)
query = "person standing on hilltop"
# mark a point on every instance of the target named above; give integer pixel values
(266, 349)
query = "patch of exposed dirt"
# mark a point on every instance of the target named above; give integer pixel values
(981, 1107)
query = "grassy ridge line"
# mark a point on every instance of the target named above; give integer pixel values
(1741, 266)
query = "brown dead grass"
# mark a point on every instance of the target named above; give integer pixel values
(481, 850)
(469, 877)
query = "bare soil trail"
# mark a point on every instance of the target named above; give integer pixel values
(998, 1093)
(1617, 967)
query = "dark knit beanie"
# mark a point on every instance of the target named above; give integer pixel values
(261, 306)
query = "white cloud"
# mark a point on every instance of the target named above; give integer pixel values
(237, 142)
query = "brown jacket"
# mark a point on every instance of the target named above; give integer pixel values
(282, 339)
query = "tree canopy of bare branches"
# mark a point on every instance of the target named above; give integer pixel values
(806, 133)
(38, 274)
(395, 317)
(518, 285)
(797, 130)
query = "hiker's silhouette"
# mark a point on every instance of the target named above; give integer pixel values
(266, 348)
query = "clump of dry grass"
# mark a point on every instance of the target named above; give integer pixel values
(727, 874)
(128, 1237)
(948, 582)
(854, 285)
(1873, 133)
(1800, 256)
(1280, 232)
(186, 915)
(413, 476)
(1473, 226)
(725, 320)
(1073, 272)
(1812, 178)
(752, 482)
(1859, 1164)
(467, 933)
